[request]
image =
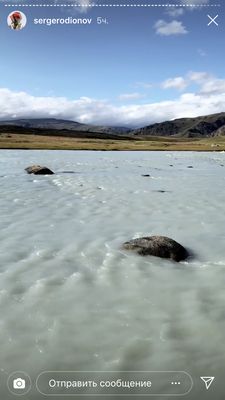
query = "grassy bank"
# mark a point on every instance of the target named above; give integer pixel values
(21, 141)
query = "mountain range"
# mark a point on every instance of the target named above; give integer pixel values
(204, 126)
(198, 127)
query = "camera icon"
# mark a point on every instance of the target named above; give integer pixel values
(19, 383)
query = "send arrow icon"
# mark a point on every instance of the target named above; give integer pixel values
(208, 380)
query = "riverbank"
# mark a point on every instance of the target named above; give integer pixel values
(38, 142)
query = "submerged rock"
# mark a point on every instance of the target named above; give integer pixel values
(158, 246)
(38, 170)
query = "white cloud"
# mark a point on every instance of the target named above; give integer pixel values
(195, 2)
(199, 77)
(175, 12)
(208, 83)
(170, 28)
(130, 96)
(175, 83)
(213, 86)
(85, 5)
(195, 5)
(210, 98)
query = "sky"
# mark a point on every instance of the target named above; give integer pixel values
(144, 65)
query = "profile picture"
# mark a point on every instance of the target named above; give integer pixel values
(16, 20)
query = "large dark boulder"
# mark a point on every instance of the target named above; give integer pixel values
(158, 246)
(38, 170)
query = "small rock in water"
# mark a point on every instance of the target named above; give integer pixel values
(146, 175)
(158, 246)
(67, 172)
(38, 170)
(162, 191)
(190, 166)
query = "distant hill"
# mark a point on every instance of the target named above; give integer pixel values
(205, 126)
(61, 124)
(199, 127)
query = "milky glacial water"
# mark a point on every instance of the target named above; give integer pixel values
(71, 299)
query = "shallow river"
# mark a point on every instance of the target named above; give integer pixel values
(72, 300)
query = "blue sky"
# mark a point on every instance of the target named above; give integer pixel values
(146, 65)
